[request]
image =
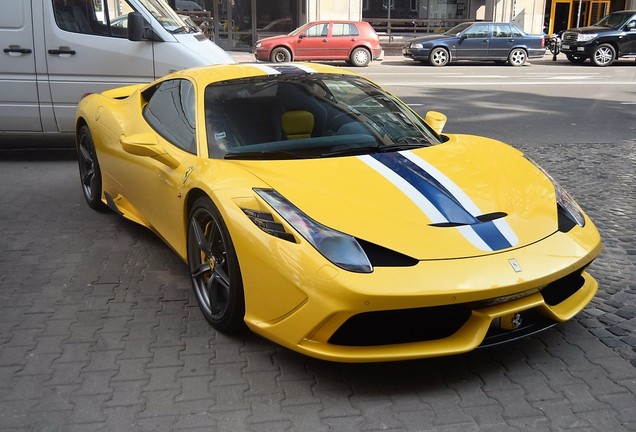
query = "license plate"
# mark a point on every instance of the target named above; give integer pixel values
(565, 47)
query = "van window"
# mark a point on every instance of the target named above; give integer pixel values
(102, 18)
(170, 112)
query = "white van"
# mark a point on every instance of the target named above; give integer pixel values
(55, 51)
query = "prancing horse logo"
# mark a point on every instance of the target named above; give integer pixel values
(515, 265)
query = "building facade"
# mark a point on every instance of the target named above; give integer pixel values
(239, 23)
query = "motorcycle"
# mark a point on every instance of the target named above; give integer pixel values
(553, 43)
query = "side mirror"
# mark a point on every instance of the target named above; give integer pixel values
(436, 120)
(136, 27)
(146, 144)
(631, 25)
(302, 35)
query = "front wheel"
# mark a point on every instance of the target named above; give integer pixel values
(603, 55)
(214, 268)
(438, 57)
(280, 55)
(517, 57)
(360, 57)
(90, 172)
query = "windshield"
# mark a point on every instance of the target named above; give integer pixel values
(291, 116)
(300, 29)
(614, 20)
(457, 29)
(167, 17)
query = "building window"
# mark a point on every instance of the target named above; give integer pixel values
(414, 5)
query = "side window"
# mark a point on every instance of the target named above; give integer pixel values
(501, 31)
(94, 17)
(344, 29)
(515, 31)
(477, 31)
(318, 30)
(171, 112)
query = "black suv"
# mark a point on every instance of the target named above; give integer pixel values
(612, 37)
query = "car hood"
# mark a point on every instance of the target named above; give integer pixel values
(428, 38)
(591, 29)
(274, 39)
(468, 197)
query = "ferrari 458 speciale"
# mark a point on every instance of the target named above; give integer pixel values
(326, 215)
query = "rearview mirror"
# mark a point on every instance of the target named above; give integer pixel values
(146, 144)
(436, 120)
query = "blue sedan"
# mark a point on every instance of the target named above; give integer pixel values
(499, 42)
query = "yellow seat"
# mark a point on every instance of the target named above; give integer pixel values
(297, 124)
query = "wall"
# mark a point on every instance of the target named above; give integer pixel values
(334, 9)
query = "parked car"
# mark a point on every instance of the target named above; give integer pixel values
(612, 37)
(500, 42)
(325, 214)
(356, 42)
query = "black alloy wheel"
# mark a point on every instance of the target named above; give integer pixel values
(214, 269)
(90, 173)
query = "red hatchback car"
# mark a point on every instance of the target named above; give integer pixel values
(353, 41)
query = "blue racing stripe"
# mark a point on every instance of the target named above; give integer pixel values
(428, 186)
(491, 235)
(442, 198)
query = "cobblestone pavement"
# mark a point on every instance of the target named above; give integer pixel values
(99, 330)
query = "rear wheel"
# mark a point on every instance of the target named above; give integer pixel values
(280, 55)
(214, 268)
(438, 57)
(360, 57)
(603, 55)
(517, 57)
(90, 173)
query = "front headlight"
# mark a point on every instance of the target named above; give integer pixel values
(564, 199)
(339, 248)
(258, 44)
(584, 37)
(416, 45)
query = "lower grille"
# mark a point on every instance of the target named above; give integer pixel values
(401, 326)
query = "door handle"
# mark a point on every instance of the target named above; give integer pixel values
(15, 49)
(62, 50)
(324, 41)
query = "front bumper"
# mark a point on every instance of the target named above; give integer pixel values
(578, 48)
(437, 308)
(420, 54)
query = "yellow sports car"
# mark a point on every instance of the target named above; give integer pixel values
(326, 215)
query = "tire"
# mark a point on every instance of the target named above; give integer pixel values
(603, 55)
(517, 57)
(280, 55)
(360, 57)
(90, 172)
(573, 58)
(214, 269)
(438, 57)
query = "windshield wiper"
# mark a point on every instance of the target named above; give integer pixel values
(415, 140)
(182, 29)
(266, 155)
(352, 151)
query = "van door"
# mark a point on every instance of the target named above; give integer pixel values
(87, 51)
(19, 109)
